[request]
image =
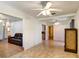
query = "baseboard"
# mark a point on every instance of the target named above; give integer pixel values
(33, 45)
(59, 43)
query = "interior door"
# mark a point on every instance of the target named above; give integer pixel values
(71, 40)
(43, 32)
(50, 32)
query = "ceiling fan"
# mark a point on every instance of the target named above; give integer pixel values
(47, 11)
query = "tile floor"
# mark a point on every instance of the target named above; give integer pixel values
(45, 50)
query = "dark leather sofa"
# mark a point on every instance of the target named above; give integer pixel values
(17, 39)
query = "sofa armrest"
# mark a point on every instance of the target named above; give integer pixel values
(12, 37)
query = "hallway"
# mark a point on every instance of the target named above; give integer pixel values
(45, 50)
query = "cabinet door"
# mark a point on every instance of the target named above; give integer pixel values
(71, 40)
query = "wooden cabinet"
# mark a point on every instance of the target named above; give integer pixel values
(71, 40)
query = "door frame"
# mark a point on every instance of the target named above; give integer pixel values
(43, 32)
(50, 32)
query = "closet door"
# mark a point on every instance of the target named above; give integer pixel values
(71, 40)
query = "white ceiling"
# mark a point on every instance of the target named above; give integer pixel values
(9, 18)
(68, 7)
(27, 6)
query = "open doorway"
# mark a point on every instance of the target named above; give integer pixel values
(56, 32)
(11, 35)
(43, 32)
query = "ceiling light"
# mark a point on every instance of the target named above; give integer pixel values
(57, 23)
(7, 23)
(8, 29)
(1, 21)
(44, 13)
(48, 12)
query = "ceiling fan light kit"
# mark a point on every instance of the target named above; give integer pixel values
(47, 11)
(57, 23)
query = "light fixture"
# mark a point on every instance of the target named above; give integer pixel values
(1, 21)
(57, 23)
(7, 23)
(48, 12)
(44, 13)
(8, 29)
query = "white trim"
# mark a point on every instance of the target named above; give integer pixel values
(55, 17)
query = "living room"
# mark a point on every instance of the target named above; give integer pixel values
(11, 35)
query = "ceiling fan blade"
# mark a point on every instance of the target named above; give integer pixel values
(43, 13)
(40, 13)
(37, 9)
(48, 13)
(48, 5)
(55, 10)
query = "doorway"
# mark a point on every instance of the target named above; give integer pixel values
(50, 32)
(9, 26)
(43, 32)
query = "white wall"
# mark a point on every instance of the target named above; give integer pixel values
(32, 32)
(59, 30)
(47, 32)
(16, 27)
(77, 26)
(1, 31)
(59, 34)
(31, 26)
